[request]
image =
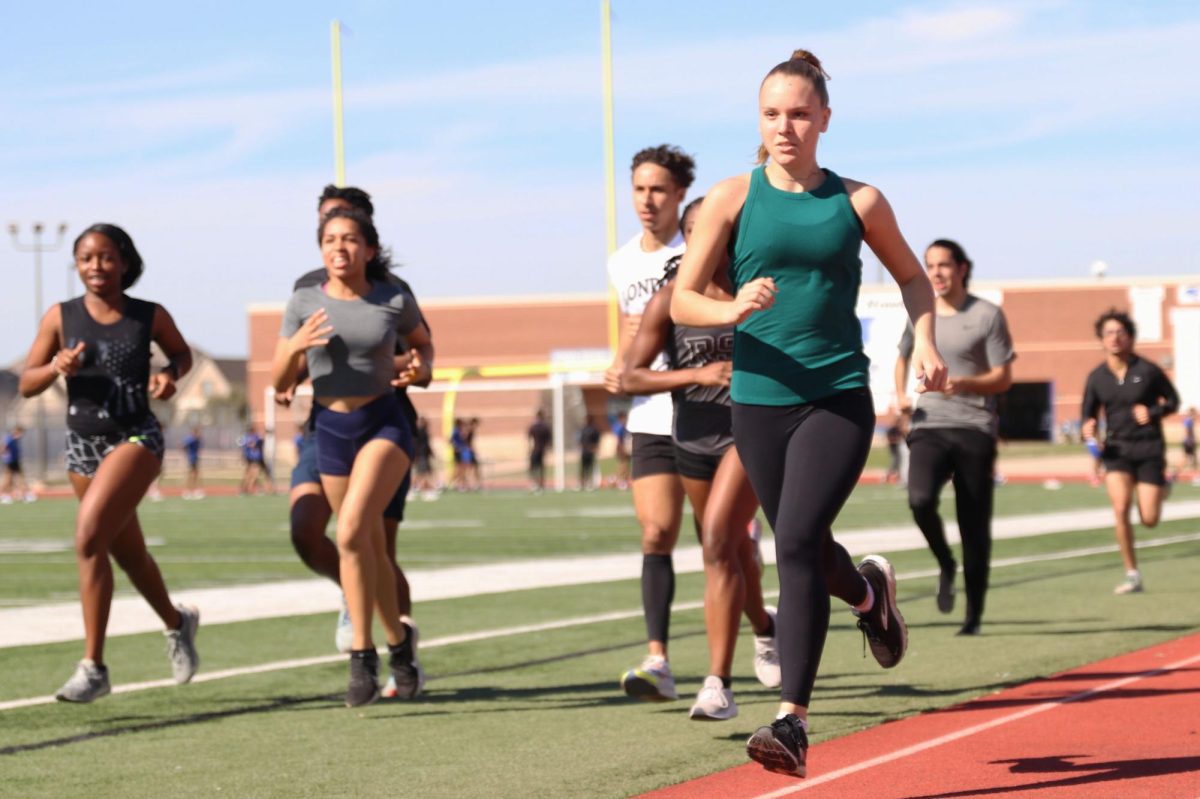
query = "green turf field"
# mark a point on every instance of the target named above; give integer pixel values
(223, 540)
(534, 714)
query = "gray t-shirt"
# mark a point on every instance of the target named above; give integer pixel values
(971, 342)
(357, 361)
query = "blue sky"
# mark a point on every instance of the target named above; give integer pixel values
(1042, 135)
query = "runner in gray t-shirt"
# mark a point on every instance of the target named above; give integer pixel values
(954, 432)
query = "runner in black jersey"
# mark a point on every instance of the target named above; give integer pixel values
(723, 503)
(1135, 395)
(309, 509)
(100, 343)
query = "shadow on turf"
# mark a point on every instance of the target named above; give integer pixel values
(280, 703)
(1086, 773)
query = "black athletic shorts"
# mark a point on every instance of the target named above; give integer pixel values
(1142, 459)
(696, 465)
(652, 455)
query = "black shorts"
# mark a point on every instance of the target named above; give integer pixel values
(84, 452)
(1144, 460)
(1189, 448)
(653, 455)
(697, 465)
(13, 467)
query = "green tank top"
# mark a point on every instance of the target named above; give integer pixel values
(809, 344)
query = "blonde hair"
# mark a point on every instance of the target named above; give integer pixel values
(802, 64)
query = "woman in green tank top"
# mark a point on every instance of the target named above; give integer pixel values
(803, 417)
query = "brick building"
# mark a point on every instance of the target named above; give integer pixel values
(1052, 325)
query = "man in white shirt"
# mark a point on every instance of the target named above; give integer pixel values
(660, 180)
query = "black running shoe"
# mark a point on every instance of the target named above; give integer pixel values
(407, 678)
(782, 747)
(945, 596)
(364, 678)
(883, 627)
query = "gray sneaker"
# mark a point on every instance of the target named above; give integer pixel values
(181, 645)
(766, 656)
(89, 682)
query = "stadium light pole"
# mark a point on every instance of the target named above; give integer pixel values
(37, 248)
(339, 144)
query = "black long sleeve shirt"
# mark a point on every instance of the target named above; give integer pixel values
(1144, 384)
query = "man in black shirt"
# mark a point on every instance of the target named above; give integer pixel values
(1135, 396)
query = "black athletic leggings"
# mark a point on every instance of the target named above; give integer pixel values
(970, 456)
(803, 461)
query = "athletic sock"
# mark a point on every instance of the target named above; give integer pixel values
(658, 591)
(770, 631)
(868, 601)
(403, 650)
(726, 683)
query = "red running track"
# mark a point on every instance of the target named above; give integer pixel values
(1123, 728)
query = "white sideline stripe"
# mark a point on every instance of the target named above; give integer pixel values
(282, 665)
(978, 728)
(129, 615)
(578, 621)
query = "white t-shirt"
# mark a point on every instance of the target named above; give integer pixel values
(635, 274)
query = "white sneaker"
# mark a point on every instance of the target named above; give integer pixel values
(30, 497)
(343, 634)
(651, 682)
(5, 500)
(766, 655)
(89, 682)
(714, 702)
(754, 530)
(181, 645)
(1132, 584)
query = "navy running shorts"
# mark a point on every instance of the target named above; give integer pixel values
(341, 435)
(306, 471)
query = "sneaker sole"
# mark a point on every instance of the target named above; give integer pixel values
(889, 576)
(70, 701)
(643, 689)
(700, 715)
(773, 756)
(370, 701)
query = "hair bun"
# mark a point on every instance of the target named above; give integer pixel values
(805, 55)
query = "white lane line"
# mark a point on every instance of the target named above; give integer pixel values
(978, 728)
(129, 615)
(578, 621)
(282, 665)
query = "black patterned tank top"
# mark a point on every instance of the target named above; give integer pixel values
(109, 393)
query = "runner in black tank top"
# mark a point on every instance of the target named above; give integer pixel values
(803, 417)
(101, 344)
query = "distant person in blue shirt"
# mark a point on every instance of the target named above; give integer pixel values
(12, 468)
(192, 444)
(256, 467)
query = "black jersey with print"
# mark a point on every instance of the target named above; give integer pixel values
(1143, 384)
(110, 392)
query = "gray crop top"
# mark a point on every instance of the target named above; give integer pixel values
(357, 361)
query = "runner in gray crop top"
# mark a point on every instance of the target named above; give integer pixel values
(357, 361)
